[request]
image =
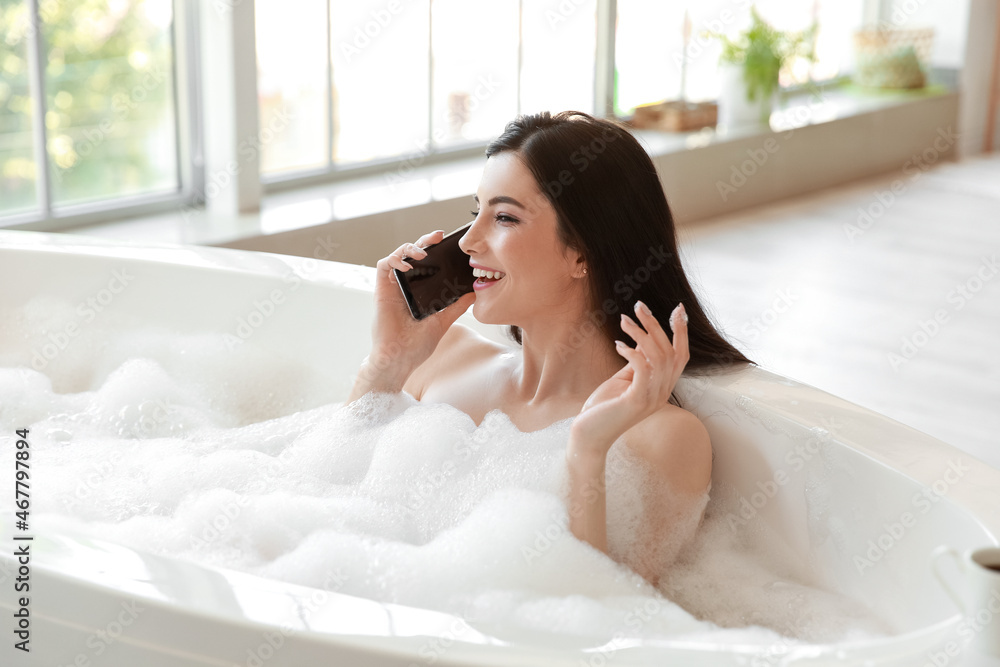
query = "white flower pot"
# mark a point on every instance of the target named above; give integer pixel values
(734, 107)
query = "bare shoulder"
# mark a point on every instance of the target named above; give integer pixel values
(677, 445)
(460, 347)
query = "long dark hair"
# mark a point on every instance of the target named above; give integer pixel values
(611, 208)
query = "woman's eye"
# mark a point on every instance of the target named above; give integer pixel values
(501, 217)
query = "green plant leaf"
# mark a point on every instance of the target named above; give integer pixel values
(764, 51)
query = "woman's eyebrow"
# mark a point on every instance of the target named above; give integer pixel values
(500, 199)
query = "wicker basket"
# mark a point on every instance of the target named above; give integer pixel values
(675, 116)
(892, 58)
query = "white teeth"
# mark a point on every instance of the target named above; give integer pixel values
(490, 275)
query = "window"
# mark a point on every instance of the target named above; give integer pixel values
(87, 104)
(371, 80)
(650, 43)
(17, 167)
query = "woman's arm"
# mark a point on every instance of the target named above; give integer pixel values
(633, 395)
(400, 343)
(379, 373)
(587, 502)
(389, 372)
(676, 447)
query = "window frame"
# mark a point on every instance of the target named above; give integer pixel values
(189, 148)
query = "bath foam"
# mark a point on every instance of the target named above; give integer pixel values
(242, 383)
(747, 577)
(387, 498)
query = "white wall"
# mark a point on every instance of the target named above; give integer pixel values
(976, 77)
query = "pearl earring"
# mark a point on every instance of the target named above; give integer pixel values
(584, 269)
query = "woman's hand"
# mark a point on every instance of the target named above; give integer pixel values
(399, 342)
(640, 388)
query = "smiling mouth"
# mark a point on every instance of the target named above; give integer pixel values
(483, 277)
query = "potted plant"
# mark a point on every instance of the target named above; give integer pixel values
(750, 67)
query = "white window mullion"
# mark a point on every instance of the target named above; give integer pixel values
(230, 107)
(36, 84)
(430, 77)
(187, 101)
(520, 51)
(329, 87)
(604, 75)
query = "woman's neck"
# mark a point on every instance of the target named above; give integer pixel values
(566, 364)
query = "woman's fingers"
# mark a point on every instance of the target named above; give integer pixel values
(639, 358)
(646, 341)
(656, 352)
(640, 367)
(647, 377)
(410, 250)
(653, 328)
(394, 261)
(430, 239)
(385, 265)
(678, 323)
(414, 250)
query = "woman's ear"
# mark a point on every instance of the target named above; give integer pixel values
(577, 261)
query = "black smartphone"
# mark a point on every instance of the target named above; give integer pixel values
(438, 279)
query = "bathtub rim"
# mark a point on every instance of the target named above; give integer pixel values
(402, 646)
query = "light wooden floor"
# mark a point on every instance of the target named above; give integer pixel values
(850, 297)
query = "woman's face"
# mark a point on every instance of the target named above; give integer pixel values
(515, 233)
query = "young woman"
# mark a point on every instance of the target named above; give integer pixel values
(573, 226)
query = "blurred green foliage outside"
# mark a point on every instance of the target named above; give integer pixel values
(109, 100)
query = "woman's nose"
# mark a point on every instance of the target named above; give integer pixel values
(470, 239)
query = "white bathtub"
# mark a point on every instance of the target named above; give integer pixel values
(770, 434)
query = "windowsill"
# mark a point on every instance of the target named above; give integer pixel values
(350, 199)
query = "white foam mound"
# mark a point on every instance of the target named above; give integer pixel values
(182, 446)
